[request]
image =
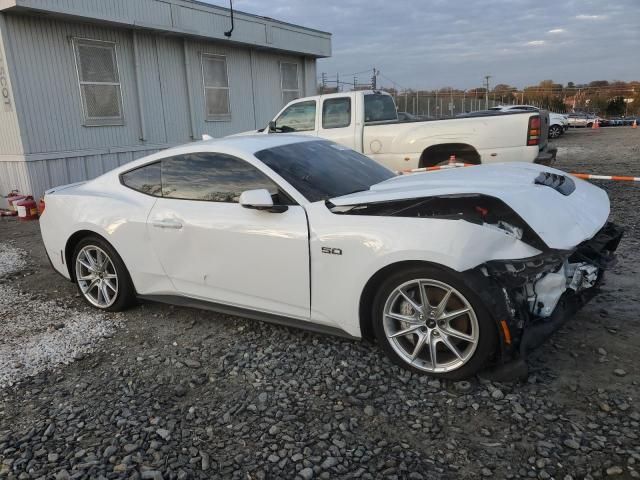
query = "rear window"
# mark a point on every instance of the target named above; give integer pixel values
(379, 108)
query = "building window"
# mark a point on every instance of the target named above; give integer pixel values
(216, 87)
(100, 89)
(289, 82)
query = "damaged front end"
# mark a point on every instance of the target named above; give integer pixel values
(533, 297)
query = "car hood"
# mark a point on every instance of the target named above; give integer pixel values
(561, 221)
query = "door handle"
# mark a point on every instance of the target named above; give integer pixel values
(172, 224)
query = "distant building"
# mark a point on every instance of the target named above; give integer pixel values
(87, 85)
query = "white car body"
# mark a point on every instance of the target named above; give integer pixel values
(312, 262)
(414, 144)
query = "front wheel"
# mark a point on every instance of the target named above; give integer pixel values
(555, 131)
(101, 275)
(428, 321)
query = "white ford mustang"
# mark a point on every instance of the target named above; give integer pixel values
(450, 271)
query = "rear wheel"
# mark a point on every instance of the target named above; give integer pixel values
(428, 321)
(555, 131)
(101, 275)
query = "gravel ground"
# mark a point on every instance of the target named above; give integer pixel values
(37, 334)
(181, 393)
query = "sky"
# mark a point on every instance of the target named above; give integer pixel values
(441, 43)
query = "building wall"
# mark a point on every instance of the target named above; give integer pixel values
(168, 84)
(10, 142)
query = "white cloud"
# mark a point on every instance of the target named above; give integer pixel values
(535, 43)
(590, 17)
(557, 30)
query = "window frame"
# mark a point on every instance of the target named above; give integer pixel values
(283, 90)
(290, 200)
(223, 117)
(140, 167)
(298, 102)
(98, 121)
(324, 102)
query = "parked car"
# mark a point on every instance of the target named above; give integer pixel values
(367, 121)
(450, 271)
(582, 119)
(558, 123)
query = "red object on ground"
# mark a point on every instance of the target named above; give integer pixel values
(41, 206)
(27, 209)
(14, 197)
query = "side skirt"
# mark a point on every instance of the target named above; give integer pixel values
(246, 313)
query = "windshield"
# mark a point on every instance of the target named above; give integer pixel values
(379, 108)
(320, 170)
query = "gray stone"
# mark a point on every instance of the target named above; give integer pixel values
(306, 473)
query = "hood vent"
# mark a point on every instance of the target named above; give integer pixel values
(560, 183)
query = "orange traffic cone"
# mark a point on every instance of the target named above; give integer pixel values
(452, 159)
(595, 125)
(635, 124)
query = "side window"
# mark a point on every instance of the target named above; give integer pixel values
(336, 113)
(100, 89)
(299, 117)
(216, 87)
(211, 177)
(145, 179)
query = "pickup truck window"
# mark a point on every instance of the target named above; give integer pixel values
(299, 117)
(336, 113)
(379, 108)
(320, 170)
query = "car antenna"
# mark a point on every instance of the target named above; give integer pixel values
(229, 32)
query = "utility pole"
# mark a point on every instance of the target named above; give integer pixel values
(486, 93)
(355, 83)
(324, 82)
(374, 79)
(464, 102)
(337, 82)
(436, 104)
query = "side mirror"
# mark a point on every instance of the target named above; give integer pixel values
(272, 126)
(260, 200)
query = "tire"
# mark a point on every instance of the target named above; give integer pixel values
(102, 278)
(399, 338)
(555, 131)
(589, 125)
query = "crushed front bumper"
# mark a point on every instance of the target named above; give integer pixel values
(522, 320)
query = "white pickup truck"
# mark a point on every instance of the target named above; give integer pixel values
(367, 121)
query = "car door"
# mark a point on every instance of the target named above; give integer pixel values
(213, 249)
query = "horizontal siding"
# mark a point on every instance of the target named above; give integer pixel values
(284, 37)
(38, 176)
(192, 18)
(10, 141)
(51, 108)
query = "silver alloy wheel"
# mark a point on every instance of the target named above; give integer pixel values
(555, 131)
(96, 276)
(431, 325)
